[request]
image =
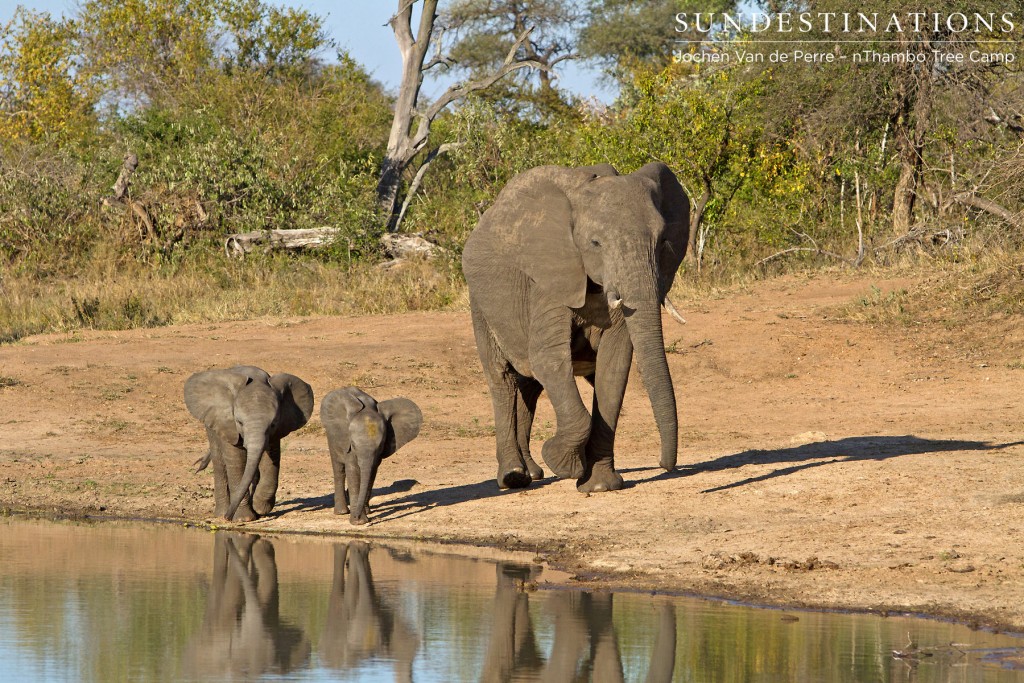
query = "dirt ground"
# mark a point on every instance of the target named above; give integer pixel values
(823, 463)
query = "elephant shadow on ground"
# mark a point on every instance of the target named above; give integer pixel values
(806, 456)
(413, 503)
(427, 499)
(326, 502)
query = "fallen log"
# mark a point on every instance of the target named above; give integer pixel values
(240, 244)
(397, 246)
(406, 245)
(988, 206)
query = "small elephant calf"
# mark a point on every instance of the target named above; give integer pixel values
(360, 433)
(246, 413)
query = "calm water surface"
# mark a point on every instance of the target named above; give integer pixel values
(128, 602)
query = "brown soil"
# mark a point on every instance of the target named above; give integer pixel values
(823, 463)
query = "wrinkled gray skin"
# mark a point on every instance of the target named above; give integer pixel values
(246, 413)
(567, 272)
(360, 433)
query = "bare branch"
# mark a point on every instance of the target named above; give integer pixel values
(439, 58)
(401, 24)
(427, 19)
(418, 180)
(405, 9)
(820, 252)
(461, 90)
(988, 206)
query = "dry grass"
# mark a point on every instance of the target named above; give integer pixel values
(951, 294)
(137, 296)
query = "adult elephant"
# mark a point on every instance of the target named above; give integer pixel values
(567, 272)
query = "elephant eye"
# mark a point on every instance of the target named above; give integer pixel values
(595, 243)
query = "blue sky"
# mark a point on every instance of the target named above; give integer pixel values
(358, 26)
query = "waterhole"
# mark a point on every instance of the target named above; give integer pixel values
(117, 601)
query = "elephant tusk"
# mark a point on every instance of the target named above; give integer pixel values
(614, 299)
(667, 303)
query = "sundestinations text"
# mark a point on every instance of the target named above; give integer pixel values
(846, 22)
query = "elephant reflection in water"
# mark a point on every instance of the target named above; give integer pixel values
(360, 624)
(585, 646)
(242, 635)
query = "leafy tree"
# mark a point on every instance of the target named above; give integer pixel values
(143, 50)
(42, 93)
(140, 50)
(271, 39)
(485, 31)
(621, 34)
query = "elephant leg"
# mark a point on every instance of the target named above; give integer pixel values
(340, 496)
(614, 356)
(220, 477)
(264, 495)
(234, 465)
(551, 360)
(504, 386)
(526, 407)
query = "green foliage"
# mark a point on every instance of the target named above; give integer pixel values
(276, 40)
(486, 30)
(250, 135)
(621, 35)
(43, 97)
(239, 126)
(283, 160)
(48, 203)
(140, 49)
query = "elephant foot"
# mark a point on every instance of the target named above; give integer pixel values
(244, 516)
(533, 468)
(341, 509)
(359, 520)
(263, 507)
(514, 478)
(565, 460)
(600, 479)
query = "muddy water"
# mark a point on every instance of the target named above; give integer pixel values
(125, 602)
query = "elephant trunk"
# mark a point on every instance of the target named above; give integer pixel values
(643, 320)
(254, 447)
(367, 472)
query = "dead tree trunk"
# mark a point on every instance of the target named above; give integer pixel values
(909, 131)
(410, 127)
(401, 148)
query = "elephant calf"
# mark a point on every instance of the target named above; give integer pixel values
(246, 413)
(360, 433)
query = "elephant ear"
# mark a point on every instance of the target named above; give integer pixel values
(251, 371)
(337, 410)
(675, 209)
(539, 215)
(404, 419)
(296, 403)
(210, 398)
